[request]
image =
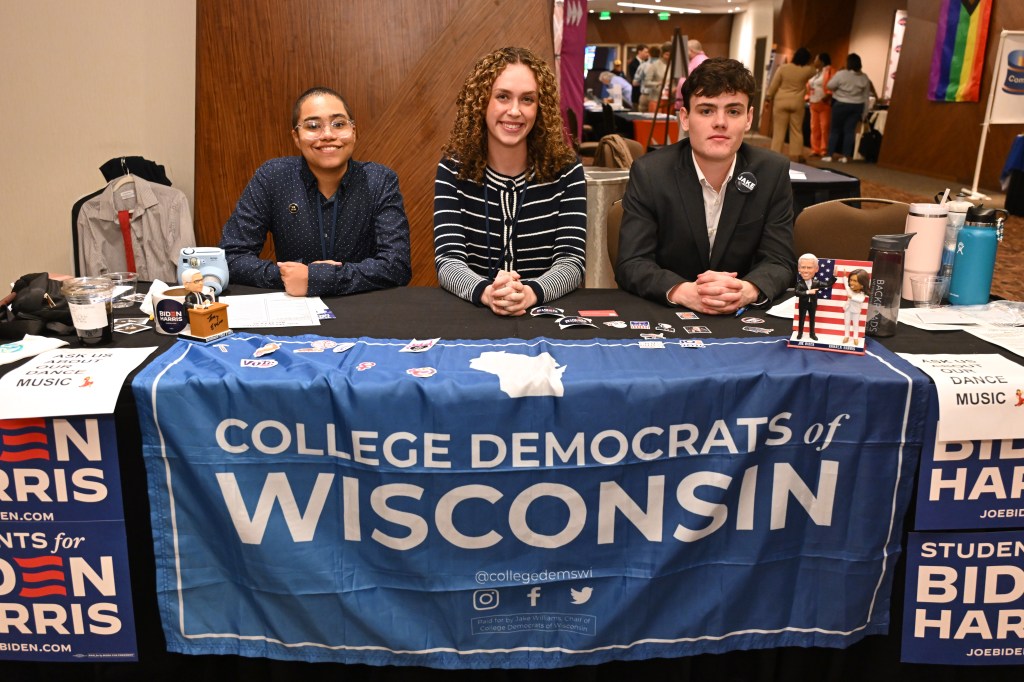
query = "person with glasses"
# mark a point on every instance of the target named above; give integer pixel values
(510, 198)
(339, 225)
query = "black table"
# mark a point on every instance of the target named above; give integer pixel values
(425, 313)
(820, 185)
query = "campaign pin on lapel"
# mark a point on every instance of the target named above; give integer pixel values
(293, 208)
(746, 182)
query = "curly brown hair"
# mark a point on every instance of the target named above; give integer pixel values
(546, 149)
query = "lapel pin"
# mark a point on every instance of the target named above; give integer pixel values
(746, 182)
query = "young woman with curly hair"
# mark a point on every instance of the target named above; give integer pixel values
(510, 199)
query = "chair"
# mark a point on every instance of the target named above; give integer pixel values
(589, 149)
(612, 223)
(834, 229)
(615, 151)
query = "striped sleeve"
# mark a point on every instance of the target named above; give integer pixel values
(450, 247)
(566, 216)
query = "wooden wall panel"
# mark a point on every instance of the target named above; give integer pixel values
(818, 26)
(399, 64)
(941, 139)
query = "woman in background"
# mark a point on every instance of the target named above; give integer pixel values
(510, 198)
(851, 90)
(786, 93)
(820, 99)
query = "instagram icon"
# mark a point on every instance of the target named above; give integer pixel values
(485, 600)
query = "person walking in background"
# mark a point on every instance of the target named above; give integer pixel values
(820, 98)
(653, 74)
(851, 90)
(639, 59)
(786, 93)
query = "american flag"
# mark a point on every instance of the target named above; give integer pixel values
(829, 321)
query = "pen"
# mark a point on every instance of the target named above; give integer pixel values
(741, 311)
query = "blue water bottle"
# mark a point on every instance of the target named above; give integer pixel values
(975, 257)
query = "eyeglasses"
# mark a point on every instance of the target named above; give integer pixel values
(316, 128)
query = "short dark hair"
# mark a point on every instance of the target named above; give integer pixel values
(853, 62)
(802, 57)
(825, 58)
(716, 76)
(655, 51)
(641, 47)
(312, 92)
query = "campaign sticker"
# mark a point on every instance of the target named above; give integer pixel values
(618, 324)
(598, 313)
(417, 346)
(662, 327)
(547, 311)
(652, 344)
(639, 324)
(752, 320)
(363, 366)
(308, 350)
(342, 347)
(266, 349)
(567, 322)
(652, 336)
(323, 343)
(758, 330)
(258, 364)
(687, 316)
(691, 343)
(421, 372)
(697, 330)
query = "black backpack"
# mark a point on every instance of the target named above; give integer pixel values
(38, 307)
(870, 142)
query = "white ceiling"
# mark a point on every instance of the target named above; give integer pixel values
(705, 6)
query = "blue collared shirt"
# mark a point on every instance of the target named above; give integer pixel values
(370, 237)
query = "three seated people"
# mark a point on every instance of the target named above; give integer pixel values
(707, 222)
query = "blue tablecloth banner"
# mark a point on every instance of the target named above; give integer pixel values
(524, 503)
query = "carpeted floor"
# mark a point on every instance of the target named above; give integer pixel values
(1008, 279)
(883, 183)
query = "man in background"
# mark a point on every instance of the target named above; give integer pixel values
(639, 58)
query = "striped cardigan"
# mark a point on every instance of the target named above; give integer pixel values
(537, 229)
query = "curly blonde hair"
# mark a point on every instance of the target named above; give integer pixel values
(546, 149)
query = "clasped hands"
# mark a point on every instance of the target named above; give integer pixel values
(507, 295)
(295, 276)
(715, 293)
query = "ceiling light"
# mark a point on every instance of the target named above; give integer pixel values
(660, 8)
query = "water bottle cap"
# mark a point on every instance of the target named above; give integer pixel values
(929, 210)
(891, 242)
(985, 216)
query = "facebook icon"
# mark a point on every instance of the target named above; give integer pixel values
(534, 595)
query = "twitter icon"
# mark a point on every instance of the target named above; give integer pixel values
(581, 596)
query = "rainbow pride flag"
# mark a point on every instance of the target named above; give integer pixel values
(959, 53)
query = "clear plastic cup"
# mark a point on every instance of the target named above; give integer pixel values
(89, 301)
(122, 280)
(928, 290)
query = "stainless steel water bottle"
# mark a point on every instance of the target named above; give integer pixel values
(886, 282)
(975, 257)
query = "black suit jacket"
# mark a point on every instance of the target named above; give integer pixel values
(663, 239)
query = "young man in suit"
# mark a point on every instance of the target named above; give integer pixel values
(708, 222)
